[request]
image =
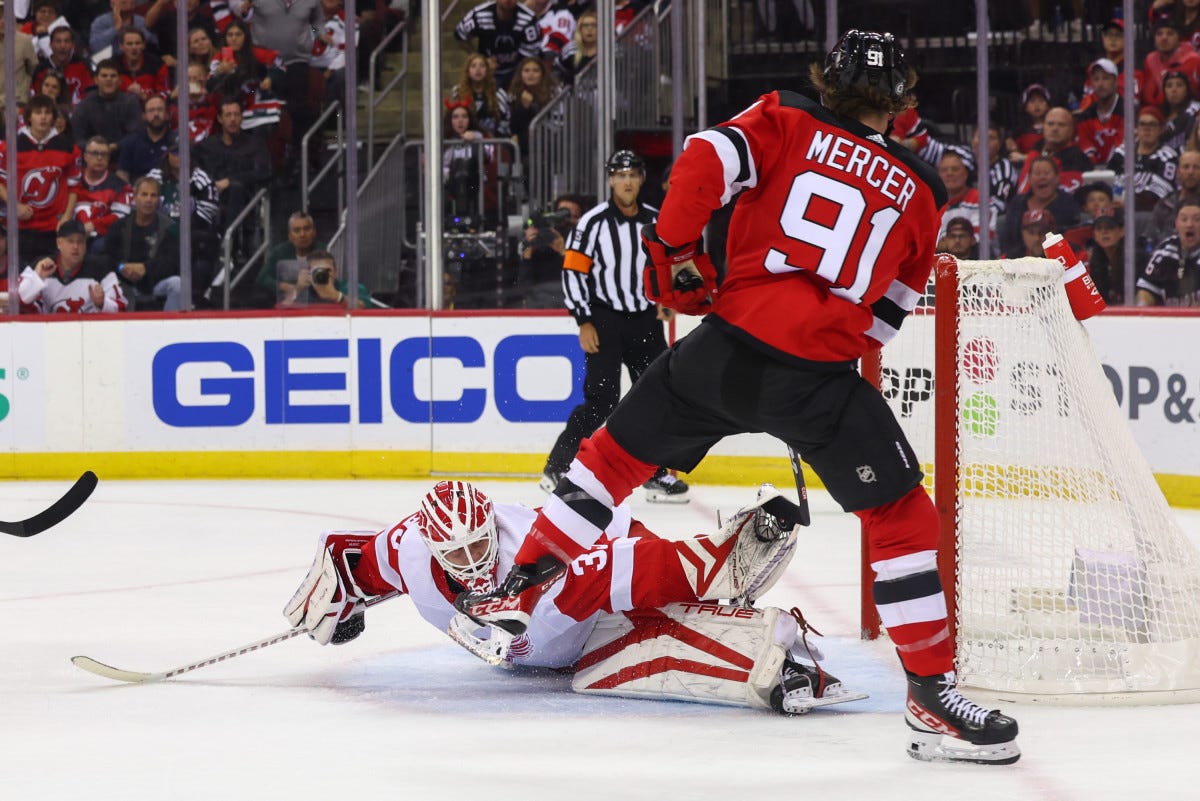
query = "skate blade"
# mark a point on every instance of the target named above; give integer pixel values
(662, 497)
(802, 706)
(934, 747)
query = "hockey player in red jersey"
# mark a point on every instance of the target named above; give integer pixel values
(460, 539)
(829, 249)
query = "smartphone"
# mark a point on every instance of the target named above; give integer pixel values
(227, 54)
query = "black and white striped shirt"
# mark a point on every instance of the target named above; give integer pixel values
(604, 261)
(508, 41)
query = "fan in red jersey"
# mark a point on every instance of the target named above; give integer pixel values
(47, 175)
(628, 583)
(830, 247)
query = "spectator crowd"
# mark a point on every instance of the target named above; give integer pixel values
(99, 129)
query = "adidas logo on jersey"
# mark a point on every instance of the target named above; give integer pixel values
(876, 138)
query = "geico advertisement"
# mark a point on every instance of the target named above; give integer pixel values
(453, 384)
(25, 374)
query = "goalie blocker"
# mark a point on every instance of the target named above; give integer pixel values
(710, 653)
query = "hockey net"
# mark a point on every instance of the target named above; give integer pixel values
(1072, 581)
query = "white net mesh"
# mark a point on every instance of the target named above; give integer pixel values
(1073, 576)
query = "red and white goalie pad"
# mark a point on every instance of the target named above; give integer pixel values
(706, 652)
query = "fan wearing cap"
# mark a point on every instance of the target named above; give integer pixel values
(962, 196)
(71, 281)
(1169, 53)
(1154, 163)
(1035, 224)
(1101, 126)
(1106, 257)
(1035, 102)
(1172, 277)
(959, 239)
(1112, 37)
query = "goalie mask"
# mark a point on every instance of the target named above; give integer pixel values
(459, 527)
(868, 60)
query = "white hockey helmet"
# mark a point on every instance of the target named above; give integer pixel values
(459, 527)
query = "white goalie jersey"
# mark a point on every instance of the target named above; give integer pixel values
(54, 296)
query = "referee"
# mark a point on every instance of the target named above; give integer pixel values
(618, 324)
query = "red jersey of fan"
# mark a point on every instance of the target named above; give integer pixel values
(832, 241)
(152, 76)
(78, 77)
(47, 172)
(102, 203)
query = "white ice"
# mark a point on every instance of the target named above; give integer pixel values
(154, 575)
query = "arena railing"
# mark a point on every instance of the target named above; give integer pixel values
(226, 279)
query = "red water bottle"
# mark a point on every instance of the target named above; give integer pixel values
(1082, 294)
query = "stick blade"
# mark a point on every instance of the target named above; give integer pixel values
(59, 511)
(116, 674)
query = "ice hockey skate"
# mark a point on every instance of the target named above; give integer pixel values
(803, 687)
(946, 727)
(666, 488)
(509, 606)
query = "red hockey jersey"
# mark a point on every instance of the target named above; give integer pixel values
(103, 203)
(832, 241)
(47, 172)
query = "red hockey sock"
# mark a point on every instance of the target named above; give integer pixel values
(616, 472)
(903, 537)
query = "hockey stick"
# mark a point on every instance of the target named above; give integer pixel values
(805, 517)
(59, 511)
(135, 677)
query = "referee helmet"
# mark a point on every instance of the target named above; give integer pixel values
(625, 160)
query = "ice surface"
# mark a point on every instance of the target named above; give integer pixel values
(153, 575)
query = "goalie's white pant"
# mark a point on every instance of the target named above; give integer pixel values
(706, 652)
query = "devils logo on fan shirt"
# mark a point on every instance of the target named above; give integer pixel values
(39, 187)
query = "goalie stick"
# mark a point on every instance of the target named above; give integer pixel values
(805, 517)
(136, 677)
(58, 511)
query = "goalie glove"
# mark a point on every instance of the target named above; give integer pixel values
(680, 278)
(328, 603)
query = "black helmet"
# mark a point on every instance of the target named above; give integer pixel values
(868, 59)
(625, 160)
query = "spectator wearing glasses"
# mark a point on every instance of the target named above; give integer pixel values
(959, 239)
(104, 197)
